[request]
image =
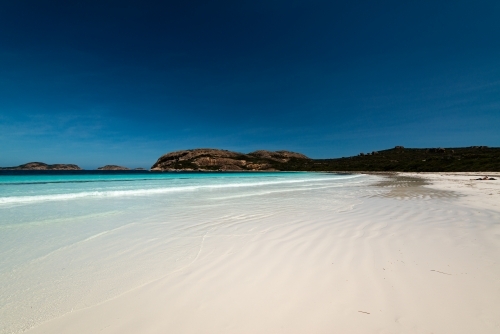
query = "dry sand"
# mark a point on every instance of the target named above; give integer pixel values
(407, 256)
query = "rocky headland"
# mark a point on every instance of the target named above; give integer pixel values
(43, 166)
(207, 159)
(397, 159)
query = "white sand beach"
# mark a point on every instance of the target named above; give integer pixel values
(395, 254)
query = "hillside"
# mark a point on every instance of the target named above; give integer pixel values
(459, 159)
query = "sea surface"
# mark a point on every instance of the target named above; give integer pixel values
(70, 240)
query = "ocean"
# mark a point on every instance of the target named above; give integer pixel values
(71, 240)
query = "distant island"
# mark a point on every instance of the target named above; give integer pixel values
(397, 159)
(63, 167)
(113, 167)
(42, 166)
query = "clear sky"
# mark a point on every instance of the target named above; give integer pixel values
(123, 82)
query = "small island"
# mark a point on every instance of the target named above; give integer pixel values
(113, 167)
(43, 166)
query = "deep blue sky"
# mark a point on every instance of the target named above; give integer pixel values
(122, 82)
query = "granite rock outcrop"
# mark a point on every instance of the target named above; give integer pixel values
(222, 160)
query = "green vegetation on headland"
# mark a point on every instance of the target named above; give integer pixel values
(400, 159)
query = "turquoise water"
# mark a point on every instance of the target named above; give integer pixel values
(33, 188)
(69, 241)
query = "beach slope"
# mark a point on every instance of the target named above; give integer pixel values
(396, 254)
